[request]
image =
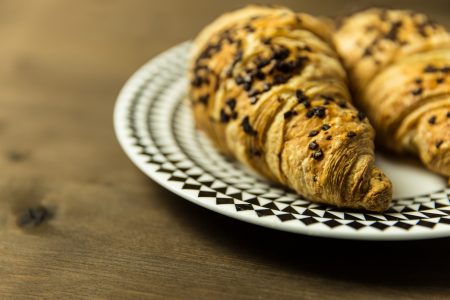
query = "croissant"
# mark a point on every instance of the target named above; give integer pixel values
(399, 65)
(268, 89)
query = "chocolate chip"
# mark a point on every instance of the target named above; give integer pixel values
(432, 120)
(445, 69)
(197, 81)
(284, 67)
(231, 103)
(342, 104)
(297, 64)
(361, 115)
(204, 55)
(310, 113)
(417, 91)
(203, 99)
(313, 145)
(247, 86)
(281, 54)
(329, 137)
(266, 41)
(448, 114)
(300, 96)
(325, 127)
(230, 40)
(439, 143)
(239, 80)
(260, 75)
(238, 56)
(279, 79)
(351, 134)
(224, 118)
(418, 80)
(392, 34)
(430, 69)
(329, 98)
(320, 112)
(301, 60)
(247, 127)
(318, 154)
(440, 80)
(313, 133)
(234, 115)
(367, 52)
(421, 30)
(249, 28)
(262, 63)
(289, 114)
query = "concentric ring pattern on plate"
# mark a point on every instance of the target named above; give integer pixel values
(156, 130)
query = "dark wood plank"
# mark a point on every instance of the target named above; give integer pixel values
(113, 233)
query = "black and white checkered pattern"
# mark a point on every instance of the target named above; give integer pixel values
(157, 131)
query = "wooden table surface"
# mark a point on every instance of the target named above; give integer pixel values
(113, 233)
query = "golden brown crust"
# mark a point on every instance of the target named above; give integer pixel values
(268, 89)
(372, 39)
(399, 64)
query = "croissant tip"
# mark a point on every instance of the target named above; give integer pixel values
(379, 194)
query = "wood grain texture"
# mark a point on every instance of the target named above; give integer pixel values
(110, 232)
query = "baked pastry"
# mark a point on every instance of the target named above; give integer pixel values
(399, 67)
(269, 90)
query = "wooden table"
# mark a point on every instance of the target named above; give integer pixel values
(111, 232)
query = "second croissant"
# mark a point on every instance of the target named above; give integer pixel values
(399, 65)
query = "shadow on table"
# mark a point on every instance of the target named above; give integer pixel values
(409, 263)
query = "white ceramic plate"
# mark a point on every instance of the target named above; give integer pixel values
(156, 130)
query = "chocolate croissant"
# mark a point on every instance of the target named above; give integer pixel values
(268, 89)
(399, 67)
